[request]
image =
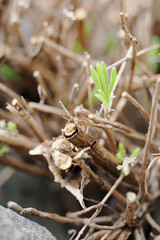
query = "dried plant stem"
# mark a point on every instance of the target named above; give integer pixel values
(100, 206)
(80, 59)
(6, 160)
(136, 104)
(58, 218)
(79, 138)
(115, 126)
(16, 140)
(139, 53)
(17, 109)
(139, 106)
(9, 92)
(152, 223)
(134, 48)
(103, 183)
(131, 207)
(63, 51)
(150, 133)
(47, 109)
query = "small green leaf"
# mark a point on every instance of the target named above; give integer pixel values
(8, 73)
(119, 167)
(78, 48)
(105, 80)
(112, 80)
(100, 76)
(4, 149)
(95, 77)
(121, 148)
(119, 157)
(2, 123)
(101, 93)
(87, 28)
(99, 97)
(135, 152)
(12, 127)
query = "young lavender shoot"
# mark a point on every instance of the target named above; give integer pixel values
(124, 160)
(103, 84)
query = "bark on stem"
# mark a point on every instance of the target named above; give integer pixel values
(79, 138)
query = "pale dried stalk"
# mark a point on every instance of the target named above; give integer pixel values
(47, 109)
(16, 140)
(9, 92)
(134, 48)
(139, 106)
(58, 218)
(150, 133)
(152, 222)
(6, 160)
(103, 183)
(115, 126)
(100, 206)
(80, 59)
(17, 109)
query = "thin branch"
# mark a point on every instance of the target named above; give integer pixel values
(139, 106)
(103, 183)
(16, 140)
(17, 109)
(100, 206)
(150, 133)
(47, 109)
(58, 218)
(6, 160)
(152, 222)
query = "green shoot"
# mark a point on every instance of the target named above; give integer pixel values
(125, 161)
(103, 84)
(8, 74)
(4, 149)
(12, 126)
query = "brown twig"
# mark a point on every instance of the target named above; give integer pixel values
(131, 207)
(152, 222)
(16, 140)
(18, 109)
(103, 183)
(100, 206)
(134, 48)
(6, 160)
(79, 138)
(57, 217)
(47, 109)
(139, 106)
(150, 133)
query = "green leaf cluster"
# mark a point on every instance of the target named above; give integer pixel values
(103, 84)
(11, 125)
(13, 128)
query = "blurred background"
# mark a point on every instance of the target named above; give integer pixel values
(43, 43)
